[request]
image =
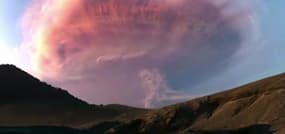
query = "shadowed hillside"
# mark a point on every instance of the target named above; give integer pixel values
(24, 101)
(18, 86)
(256, 129)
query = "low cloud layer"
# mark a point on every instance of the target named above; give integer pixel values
(135, 52)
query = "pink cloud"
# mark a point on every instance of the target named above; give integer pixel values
(99, 49)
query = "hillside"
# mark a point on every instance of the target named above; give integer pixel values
(29, 106)
(26, 101)
(256, 108)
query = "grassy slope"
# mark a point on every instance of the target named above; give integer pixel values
(261, 102)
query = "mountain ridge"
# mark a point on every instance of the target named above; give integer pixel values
(257, 103)
(257, 108)
(19, 85)
(26, 101)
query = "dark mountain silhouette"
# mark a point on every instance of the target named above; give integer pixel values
(29, 106)
(18, 86)
(25, 101)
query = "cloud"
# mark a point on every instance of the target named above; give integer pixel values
(158, 92)
(13, 55)
(6, 54)
(100, 49)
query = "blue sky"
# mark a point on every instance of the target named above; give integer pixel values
(267, 56)
(264, 57)
(10, 15)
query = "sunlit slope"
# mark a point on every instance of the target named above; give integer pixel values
(259, 106)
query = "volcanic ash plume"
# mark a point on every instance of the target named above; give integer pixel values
(115, 51)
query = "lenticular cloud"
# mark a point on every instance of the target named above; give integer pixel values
(135, 52)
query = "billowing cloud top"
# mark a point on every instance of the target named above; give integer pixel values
(136, 52)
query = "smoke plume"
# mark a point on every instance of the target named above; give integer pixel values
(135, 52)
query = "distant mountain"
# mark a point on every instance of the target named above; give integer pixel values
(26, 101)
(18, 86)
(256, 108)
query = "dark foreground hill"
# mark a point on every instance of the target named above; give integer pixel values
(26, 101)
(256, 129)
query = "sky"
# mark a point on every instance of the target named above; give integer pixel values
(144, 53)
